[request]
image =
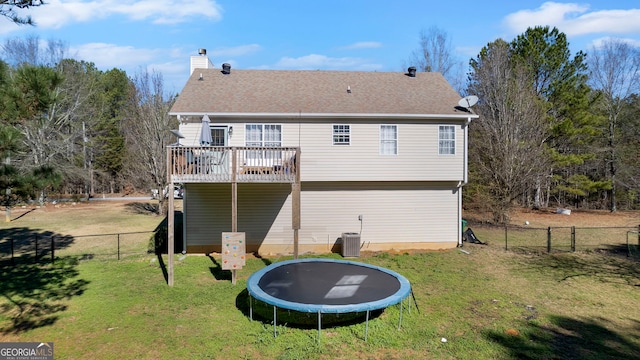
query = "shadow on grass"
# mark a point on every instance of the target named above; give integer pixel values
(163, 267)
(33, 281)
(20, 244)
(593, 264)
(264, 260)
(33, 294)
(263, 312)
(217, 272)
(158, 243)
(143, 208)
(569, 338)
(23, 214)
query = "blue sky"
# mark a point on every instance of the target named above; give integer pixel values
(370, 35)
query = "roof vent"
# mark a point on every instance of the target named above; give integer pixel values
(202, 52)
(226, 68)
(412, 71)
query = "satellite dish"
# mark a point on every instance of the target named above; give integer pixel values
(468, 101)
(177, 133)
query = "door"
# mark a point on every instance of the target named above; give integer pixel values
(219, 135)
(220, 138)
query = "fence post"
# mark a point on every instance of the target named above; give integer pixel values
(573, 239)
(52, 249)
(119, 239)
(638, 236)
(36, 249)
(549, 239)
(506, 237)
(12, 259)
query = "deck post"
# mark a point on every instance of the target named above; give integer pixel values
(234, 191)
(295, 205)
(170, 223)
(295, 213)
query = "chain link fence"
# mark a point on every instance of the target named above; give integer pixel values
(42, 248)
(616, 239)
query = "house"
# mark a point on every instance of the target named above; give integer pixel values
(294, 159)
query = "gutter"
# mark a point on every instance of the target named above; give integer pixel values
(298, 115)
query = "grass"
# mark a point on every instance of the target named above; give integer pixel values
(488, 304)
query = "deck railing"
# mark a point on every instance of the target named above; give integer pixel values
(232, 164)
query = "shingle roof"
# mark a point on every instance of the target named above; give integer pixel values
(316, 92)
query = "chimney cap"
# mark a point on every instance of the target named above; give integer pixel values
(202, 51)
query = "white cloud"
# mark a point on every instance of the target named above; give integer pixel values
(597, 43)
(166, 11)
(574, 19)
(58, 13)
(108, 56)
(363, 45)
(172, 63)
(315, 61)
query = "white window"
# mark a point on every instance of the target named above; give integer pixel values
(388, 140)
(341, 134)
(447, 140)
(263, 135)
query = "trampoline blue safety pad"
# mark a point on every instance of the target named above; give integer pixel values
(328, 286)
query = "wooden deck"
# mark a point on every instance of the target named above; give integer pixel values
(209, 164)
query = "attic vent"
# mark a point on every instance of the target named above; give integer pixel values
(226, 68)
(412, 71)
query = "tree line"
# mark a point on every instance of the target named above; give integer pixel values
(555, 128)
(68, 128)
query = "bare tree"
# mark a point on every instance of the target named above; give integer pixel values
(8, 10)
(507, 144)
(615, 73)
(34, 51)
(436, 54)
(53, 96)
(147, 131)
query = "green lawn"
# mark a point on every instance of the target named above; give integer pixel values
(487, 304)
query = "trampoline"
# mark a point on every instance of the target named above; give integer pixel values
(326, 286)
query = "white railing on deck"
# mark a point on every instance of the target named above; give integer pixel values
(227, 164)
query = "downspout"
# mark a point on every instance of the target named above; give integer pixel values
(184, 223)
(465, 176)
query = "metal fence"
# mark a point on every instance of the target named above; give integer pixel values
(572, 238)
(42, 248)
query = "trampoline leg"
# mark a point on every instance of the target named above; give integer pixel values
(274, 322)
(319, 325)
(366, 328)
(400, 322)
(250, 308)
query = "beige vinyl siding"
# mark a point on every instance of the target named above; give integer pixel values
(264, 213)
(417, 158)
(393, 213)
(191, 133)
(399, 213)
(208, 213)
